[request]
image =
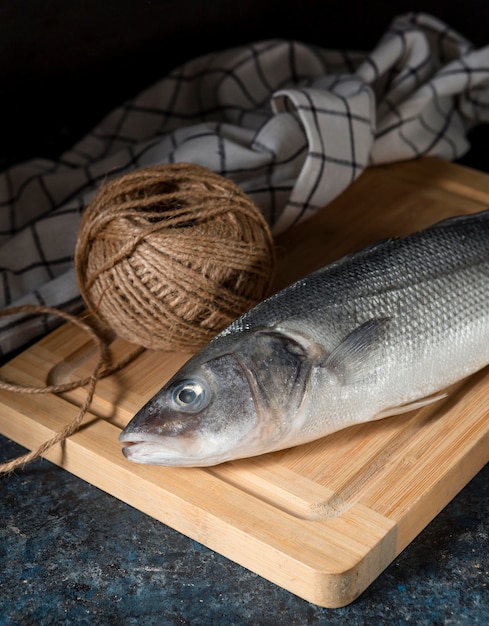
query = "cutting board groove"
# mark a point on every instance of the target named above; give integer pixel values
(322, 520)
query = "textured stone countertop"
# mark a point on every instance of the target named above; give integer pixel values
(71, 554)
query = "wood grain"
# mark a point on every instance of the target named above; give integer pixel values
(322, 520)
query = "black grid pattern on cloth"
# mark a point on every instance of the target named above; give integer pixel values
(292, 124)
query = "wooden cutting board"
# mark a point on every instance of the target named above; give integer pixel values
(322, 520)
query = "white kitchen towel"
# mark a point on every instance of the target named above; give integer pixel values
(291, 123)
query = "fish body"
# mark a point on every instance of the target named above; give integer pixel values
(376, 333)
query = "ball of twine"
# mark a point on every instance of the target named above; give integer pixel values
(167, 256)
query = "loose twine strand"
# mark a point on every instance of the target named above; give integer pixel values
(104, 367)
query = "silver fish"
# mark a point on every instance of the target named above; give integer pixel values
(373, 334)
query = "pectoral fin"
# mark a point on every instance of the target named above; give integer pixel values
(352, 360)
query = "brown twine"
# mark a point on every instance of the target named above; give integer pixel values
(167, 256)
(103, 368)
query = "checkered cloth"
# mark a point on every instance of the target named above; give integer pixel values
(291, 123)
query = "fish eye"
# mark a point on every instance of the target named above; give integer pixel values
(190, 395)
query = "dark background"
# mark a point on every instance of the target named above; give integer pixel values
(64, 64)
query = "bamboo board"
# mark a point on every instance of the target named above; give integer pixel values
(322, 520)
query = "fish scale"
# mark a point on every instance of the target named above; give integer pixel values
(376, 333)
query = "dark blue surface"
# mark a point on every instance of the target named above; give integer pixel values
(71, 554)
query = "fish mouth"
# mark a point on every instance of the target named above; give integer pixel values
(150, 452)
(170, 451)
(142, 448)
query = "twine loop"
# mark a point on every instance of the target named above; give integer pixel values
(102, 368)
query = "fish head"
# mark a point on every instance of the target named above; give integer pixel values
(232, 400)
(195, 418)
